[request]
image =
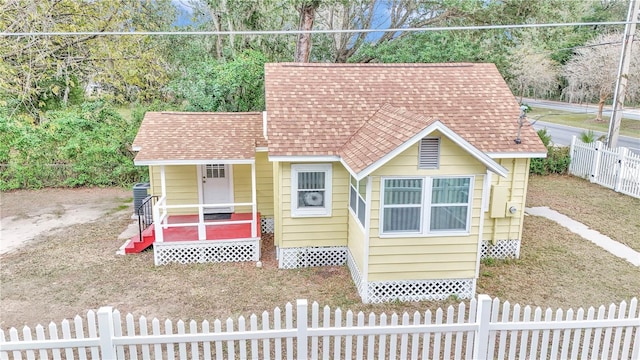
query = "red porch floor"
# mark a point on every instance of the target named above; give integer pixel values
(190, 233)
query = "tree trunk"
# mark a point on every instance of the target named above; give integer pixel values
(303, 46)
(600, 107)
(215, 16)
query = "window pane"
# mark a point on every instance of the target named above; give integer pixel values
(362, 190)
(450, 191)
(449, 218)
(353, 198)
(402, 191)
(310, 180)
(401, 219)
(362, 207)
(310, 199)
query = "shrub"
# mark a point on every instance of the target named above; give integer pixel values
(557, 160)
(88, 145)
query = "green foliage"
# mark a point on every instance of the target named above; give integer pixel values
(221, 85)
(88, 145)
(588, 136)
(557, 160)
(41, 73)
(488, 261)
(544, 135)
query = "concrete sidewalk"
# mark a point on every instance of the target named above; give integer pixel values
(620, 250)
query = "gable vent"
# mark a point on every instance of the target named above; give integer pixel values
(429, 157)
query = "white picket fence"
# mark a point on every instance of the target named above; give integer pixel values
(616, 168)
(485, 329)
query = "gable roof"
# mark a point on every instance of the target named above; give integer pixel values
(172, 138)
(323, 109)
(393, 130)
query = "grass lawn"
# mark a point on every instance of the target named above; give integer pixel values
(611, 213)
(628, 127)
(68, 272)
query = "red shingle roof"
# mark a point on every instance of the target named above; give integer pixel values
(319, 109)
(181, 136)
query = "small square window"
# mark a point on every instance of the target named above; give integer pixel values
(311, 190)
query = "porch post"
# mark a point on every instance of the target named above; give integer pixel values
(202, 230)
(254, 211)
(159, 227)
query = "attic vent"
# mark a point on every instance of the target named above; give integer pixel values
(429, 157)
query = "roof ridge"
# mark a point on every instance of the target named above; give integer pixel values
(363, 125)
(384, 65)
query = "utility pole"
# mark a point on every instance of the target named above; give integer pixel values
(623, 73)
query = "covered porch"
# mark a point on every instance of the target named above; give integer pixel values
(203, 179)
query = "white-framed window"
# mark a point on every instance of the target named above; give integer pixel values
(214, 171)
(426, 205)
(311, 189)
(357, 199)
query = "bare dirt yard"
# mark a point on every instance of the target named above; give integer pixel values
(67, 263)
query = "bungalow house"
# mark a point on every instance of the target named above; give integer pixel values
(406, 173)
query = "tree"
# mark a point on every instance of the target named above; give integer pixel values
(532, 71)
(40, 72)
(247, 15)
(223, 85)
(374, 14)
(591, 73)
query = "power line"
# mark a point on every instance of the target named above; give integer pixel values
(296, 32)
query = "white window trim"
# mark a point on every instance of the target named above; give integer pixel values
(427, 182)
(311, 212)
(354, 213)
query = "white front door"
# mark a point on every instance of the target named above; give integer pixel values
(216, 187)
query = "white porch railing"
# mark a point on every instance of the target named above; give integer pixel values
(161, 218)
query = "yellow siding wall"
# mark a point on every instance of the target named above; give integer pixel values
(431, 257)
(181, 183)
(242, 186)
(313, 231)
(264, 184)
(356, 241)
(509, 227)
(277, 205)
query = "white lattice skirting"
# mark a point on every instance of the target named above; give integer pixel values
(356, 275)
(207, 251)
(503, 249)
(292, 258)
(266, 225)
(419, 290)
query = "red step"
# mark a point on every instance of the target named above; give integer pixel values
(136, 245)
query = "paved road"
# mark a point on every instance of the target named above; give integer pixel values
(561, 135)
(628, 113)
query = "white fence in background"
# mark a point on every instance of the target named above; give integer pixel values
(486, 329)
(617, 168)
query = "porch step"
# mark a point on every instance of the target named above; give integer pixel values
(136, 245)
